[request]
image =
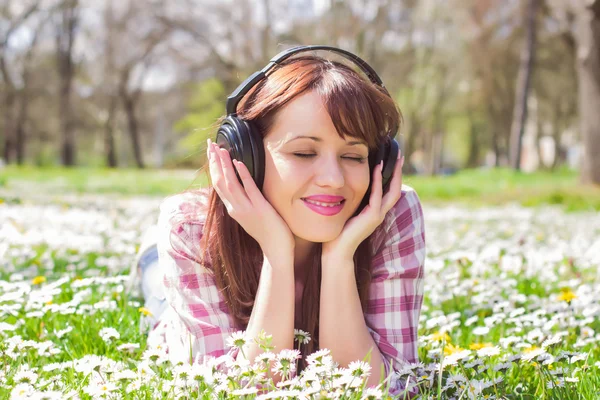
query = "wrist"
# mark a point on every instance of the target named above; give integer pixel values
(279, 256)
(334, 258)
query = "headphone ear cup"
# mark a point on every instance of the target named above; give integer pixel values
(388, 152)
(244, 144)
(389, 162)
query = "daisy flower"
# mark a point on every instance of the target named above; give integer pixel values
(301, 336)
(108, 334)
(360, 369)
(237, 339)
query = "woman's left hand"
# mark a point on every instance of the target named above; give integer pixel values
(361, 226)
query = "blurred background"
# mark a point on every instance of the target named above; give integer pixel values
(511, 86)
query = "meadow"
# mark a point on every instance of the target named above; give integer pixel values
(511, 308)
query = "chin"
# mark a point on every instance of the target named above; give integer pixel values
(319, 237)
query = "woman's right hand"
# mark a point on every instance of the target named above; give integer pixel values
(247, 205)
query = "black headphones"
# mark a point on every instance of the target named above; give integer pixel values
(245, 144)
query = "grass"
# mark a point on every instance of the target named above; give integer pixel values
(475, 187)
(57, 296)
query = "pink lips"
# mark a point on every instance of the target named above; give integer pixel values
(325, 210)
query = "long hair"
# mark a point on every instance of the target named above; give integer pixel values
(358, 109)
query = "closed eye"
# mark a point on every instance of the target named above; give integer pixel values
(357, 159)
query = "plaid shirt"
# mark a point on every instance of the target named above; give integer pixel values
(197, 321)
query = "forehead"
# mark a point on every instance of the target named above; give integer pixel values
(305, 115)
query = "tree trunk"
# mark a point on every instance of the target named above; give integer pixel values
(437, 140)
(20, 138)
(411, 141)
(65, 38)
(588, 76)
(109, 134)
(522, 89)
(473, 158)
(132, 125)
(9, 134)
(556, 136)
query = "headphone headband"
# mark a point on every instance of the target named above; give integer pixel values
(234, 98)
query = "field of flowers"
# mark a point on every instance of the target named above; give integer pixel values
(511, 311)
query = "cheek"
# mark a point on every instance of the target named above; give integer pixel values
(280, 177)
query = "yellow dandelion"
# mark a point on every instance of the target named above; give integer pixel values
(451, 349)
(145, 311)
(479, 346)
(38, 280)
(566, 295)
(530, 349)
(440, 336)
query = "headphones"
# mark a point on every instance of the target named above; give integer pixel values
(245, 144)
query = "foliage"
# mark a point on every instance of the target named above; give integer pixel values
(205, 107)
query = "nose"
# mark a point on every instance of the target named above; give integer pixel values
(329, 172)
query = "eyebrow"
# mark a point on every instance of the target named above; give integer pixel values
(318, 139)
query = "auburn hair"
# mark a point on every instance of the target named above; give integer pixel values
(358, 109)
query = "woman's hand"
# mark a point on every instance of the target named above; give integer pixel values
(247, 205)
(361, 226)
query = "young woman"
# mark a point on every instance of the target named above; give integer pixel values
(318, 244)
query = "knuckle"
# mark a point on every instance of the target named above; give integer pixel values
(229, 185)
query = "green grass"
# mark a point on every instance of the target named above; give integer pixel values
(475, 187)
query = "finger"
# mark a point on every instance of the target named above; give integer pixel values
(254, 194)
(231, 181)
(216, 173)
(214, 165)
(395, 190)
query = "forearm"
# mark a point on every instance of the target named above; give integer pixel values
(273, 309)
(340, 307)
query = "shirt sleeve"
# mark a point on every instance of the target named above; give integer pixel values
(396, 291)
(189, 284)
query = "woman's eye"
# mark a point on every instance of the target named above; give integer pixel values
(357, 159)
(304, 155)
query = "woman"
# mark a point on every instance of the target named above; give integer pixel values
(320, 246)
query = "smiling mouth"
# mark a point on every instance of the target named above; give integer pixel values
(326, 209)
(323, 204)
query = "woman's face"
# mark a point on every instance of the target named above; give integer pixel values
(331, 169)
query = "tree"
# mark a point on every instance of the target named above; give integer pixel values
(14, 119)
(587, 34)
(523, 86)
(67, 19)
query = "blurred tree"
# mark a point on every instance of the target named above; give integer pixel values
(205, 107)
(108, 86)
(523, 84)
(588, 73)
(133, 54)
(66, 21)
(15, 93)
(554, 84)
(581, 19)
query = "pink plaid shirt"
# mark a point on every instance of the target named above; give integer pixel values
(197, 321)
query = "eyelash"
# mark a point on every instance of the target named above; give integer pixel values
(358, 160)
